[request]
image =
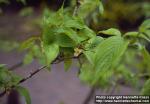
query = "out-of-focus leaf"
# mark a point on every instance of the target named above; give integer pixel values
(145, 25)
(26, 11)
(146, 57)
(111, 31)
(24, 92)
(28, 59)
(22, 1)
(126, 74)
(101, 8)
(28, 43)
(88, 6)
(8, 45)
(67, 64)
(51, 51)
(4, 1)
(8, 78)
(135, 34)
(146, 89)
(74, 22)
(2, 65)
(145, 28)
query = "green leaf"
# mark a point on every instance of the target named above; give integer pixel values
(24, 92)
(22, 1)
(2, 65)
(51, 51)
(28, 59)
(5, 1)
(135, 34)
(28, 43)
(70, 33)
(8, 45)
(146, 57)
(101, 8)
(111, 31)
(27, 11)
(86, 32)
(145, 25)
(64, 41)
(146, 89)
(87, 7)
(67, 64)
(126, 74)
(146, 54)
(48, 35)
(107, 55)
(131, 34)
(91, 48)
(145, 28)
(74, 22)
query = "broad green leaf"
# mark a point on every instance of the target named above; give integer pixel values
(90, 56)
(106, 57)
(108, 54)
(24, 92)
(91, 48)
(101, 8)
(146, 88)
(111, 31)
(51, 51)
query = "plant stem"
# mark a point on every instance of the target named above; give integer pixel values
(75, 12)
(16, 66)
(56, 61)
(31, 74)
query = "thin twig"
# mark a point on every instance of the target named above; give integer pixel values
(31, 74)
(35, 72)
(90, 95)
(16, 66)
(75, 12)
